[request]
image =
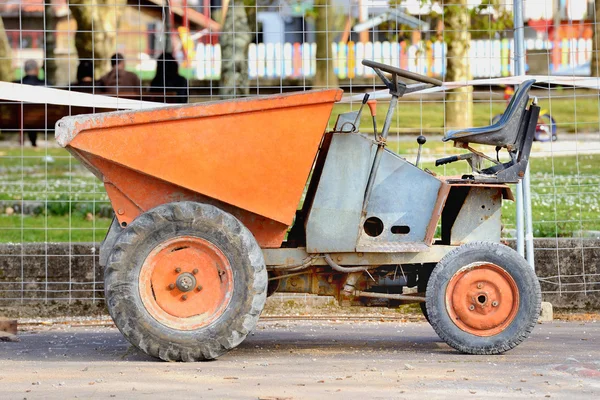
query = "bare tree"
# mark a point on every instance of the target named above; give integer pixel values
(325, 75)
(6, 70)
(96, 36)
(234, 39)
(50, 43)
(459, 102)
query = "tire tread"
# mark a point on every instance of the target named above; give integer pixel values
(438, 324)
(173, 213)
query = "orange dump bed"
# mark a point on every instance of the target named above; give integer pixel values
(251, 156)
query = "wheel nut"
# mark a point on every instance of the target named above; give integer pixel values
(171, 286)
(178, 270)
(494, 304)
(184, 297)
(199, 287)
(471, 307)
(195, 271)
(479, 285)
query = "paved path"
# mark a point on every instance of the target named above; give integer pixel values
(306, 360)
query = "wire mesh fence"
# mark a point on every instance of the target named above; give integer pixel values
(54, 212)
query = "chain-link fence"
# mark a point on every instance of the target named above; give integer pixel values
(54, 212)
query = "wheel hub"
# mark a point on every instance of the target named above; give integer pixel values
(186, 282)
(482, 299)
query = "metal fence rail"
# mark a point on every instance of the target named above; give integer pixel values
(53, 212)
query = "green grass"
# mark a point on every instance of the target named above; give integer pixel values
(69, 203)
(24, 228)
(573, 113)
(27, 174)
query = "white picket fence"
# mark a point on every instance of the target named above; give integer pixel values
(489, 58)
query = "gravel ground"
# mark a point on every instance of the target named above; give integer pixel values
(299, 359)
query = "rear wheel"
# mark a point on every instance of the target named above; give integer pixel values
(185, 282)
(483, 298)
(545, 131)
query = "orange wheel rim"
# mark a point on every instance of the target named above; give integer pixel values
(186, 283)
(482, 299)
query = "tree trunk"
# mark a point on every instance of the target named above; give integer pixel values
(325, 75)
(96, 36)
(50, 34)
(6, 70)
(234, 40)
(595, 64)
(459, 102)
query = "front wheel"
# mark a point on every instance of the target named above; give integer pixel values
(185, 282)
(483, 298)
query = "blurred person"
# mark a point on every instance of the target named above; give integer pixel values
(32, 70)
(118, 77)
(85, 77)
(167, 80)
(85, 74)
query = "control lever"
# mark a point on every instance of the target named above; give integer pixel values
(451, 159)
(373, 108)
(357, 119)
(421, 140)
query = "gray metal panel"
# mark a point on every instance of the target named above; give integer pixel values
(377, 245)
(332, 224)
(479, 218)
(403, 195)
(284, 258)
(345, 122)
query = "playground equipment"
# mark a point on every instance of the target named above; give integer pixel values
(207, 223)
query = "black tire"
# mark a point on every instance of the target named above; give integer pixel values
(527, 285)
(149, 230)
(422, 280)
(424, 310)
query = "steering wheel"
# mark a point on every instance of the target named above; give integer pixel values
(403, 73)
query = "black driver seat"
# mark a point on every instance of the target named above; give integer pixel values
(505, 131)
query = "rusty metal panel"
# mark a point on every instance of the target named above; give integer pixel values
(308, 283)
(404, 198)
(255, 154)
(479, 218)
(437, 212)
(333, 220)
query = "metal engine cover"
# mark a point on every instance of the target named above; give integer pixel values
(403, 199)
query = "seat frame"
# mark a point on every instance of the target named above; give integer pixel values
(505, 131)
(514, 132)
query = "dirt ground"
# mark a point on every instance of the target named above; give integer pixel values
(288, 358)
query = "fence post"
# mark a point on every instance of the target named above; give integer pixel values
(524, 236)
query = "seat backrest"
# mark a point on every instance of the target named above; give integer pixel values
(520, 98)
(517, 103)
(505, 131)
